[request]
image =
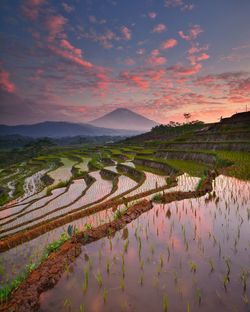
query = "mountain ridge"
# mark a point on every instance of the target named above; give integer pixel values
(126, 119)
(57, 129)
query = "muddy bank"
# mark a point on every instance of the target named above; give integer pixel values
(107, 161)
(185, 155)
(108, 174)
(26, 297)
(164, 168)
(205, 187)
(136, 175)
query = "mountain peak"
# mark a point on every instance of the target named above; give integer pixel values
(123, 118)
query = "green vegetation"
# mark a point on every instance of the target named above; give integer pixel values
(6, 290)
(191, 167)
(241, 163)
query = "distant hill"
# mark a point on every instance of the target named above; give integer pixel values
(234, 128)
(55, 129)
(123, 118)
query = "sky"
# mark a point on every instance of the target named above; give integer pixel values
(78, 60)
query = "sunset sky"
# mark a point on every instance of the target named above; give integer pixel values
(77, 60)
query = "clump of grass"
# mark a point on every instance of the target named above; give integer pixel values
(157, 198)
(119, 213)
(55, 245)
(6, 290)
(171, 180)
(58, 185)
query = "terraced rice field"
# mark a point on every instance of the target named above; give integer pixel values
(177, 249)
(63, 173)
(167, 259)
(83, 165)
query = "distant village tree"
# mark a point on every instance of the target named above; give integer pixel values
(187, 116)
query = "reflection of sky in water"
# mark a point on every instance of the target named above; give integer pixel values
(190, 231)
(211, 229)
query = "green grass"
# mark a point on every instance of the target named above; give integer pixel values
(241, 163)
(7, 289)
(191, 167)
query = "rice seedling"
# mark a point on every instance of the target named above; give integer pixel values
(67, 303)
(193, 266)
(108, 266)
(125, 247)
(98, 277)
(86, 280)
(198, 295)
(123, 266)
(81, 308)
(225, 281)
(141, 265)
(122, 284)
(165, 303)
(104, 295)
(244, 277)
(161, 261)
(210, 262)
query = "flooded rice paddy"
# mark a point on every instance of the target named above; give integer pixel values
(191, 255)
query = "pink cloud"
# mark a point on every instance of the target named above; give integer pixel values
(196, 49)
(68, 8)
(152, 15)
(129, 61)
(135, 80)
(186, 71)
(68, 46)
(5, 83)
(126, 32)
(169, 44)
(179, 3)
(55, 25)
(192, 34)
(94, 20)
(198, 58)
(159, 28)
(156, 59)
(74, 59)
(31, 8)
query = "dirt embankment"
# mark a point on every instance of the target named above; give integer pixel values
(107, 161)
(183, 155)
(137, 175)
(108, 174)
(46, 276)
(164, 168)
